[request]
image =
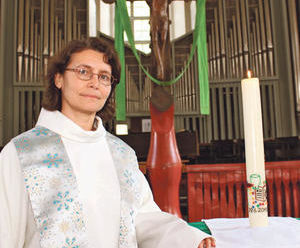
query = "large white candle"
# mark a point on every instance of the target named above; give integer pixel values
(254, 146)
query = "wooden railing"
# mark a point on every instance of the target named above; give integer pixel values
(220, 190)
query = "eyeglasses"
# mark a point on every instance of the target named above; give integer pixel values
(86, 73)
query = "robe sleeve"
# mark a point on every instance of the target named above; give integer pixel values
(13, 200)
(158, 229)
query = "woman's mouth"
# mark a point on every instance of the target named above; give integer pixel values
(91, 96)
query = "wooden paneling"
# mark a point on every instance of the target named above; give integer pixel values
(220, 190)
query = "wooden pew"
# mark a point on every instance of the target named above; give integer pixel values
(220, 190)
(186, 141)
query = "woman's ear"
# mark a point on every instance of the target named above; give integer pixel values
(58, 80)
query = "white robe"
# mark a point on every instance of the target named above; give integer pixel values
(99, 193)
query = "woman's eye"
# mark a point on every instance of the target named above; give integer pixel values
(83, 71)
(105, 77)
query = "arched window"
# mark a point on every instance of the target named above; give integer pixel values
(139, 13)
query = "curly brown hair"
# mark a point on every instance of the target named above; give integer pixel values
(58, 64)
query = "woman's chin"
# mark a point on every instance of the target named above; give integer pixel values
(92, 110)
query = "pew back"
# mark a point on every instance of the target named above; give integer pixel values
(220, 190)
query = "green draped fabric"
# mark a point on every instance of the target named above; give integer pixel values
(202, 60)
(122, 23)
(120, 89)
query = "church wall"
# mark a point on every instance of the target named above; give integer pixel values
(286, 88)
(227, 66)
(18, 93)
(31, 32)
(6, 70)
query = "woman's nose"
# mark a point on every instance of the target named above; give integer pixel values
(94, 81)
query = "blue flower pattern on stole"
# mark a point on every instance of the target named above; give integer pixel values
(40, 131)
(52, 160)
(49, 178)
(22, 144)
(32, 181)
(63, 200)
(68, 172)
(128, 173)
(65, 197)
(129, 178)
(70, 243)
(44, 227)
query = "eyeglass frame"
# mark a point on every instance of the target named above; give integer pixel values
(76, 71)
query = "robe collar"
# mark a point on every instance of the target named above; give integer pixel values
(65, 127)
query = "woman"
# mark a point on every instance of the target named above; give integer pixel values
(69, 183)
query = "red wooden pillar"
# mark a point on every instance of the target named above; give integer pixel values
(163, 162)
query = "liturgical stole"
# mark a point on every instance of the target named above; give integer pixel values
(53, 192)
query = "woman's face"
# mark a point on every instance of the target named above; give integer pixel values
(80, 96)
